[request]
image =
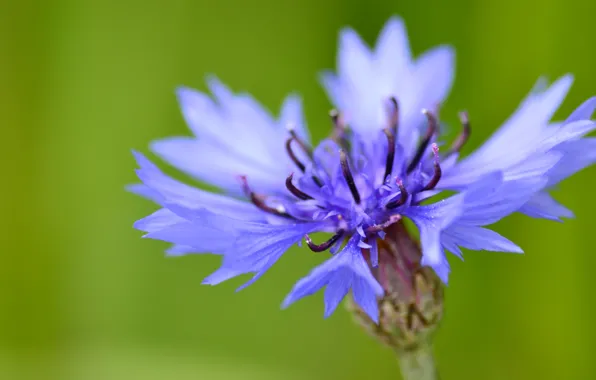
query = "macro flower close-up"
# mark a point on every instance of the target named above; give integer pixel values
(298, 190)
(385, 161)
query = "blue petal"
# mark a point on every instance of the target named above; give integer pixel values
(219, 166)
(221, 92)
(567, 132)
(430, 81)
(477, 238)
(456, 221)
(163, 189)
(392, 51)
(250, 123)
(179, 250)
(374, 253)
(520, 148)
(236, 136)
(336, 289)
(366, 79)
(159, 220)
(145, 192)
(533, 167)
(361, 104)
(493, 198)
(584, 111)
(222, 274)
(354, 57)
(206, 233)
(576, 155)
(343, 271)
(431, 220)
(542, 205)
(440, 265)
(201, 114)
(526, 126)
(291, 115)
(365, 292)
(257, 247)
(334, 88)
(485, 203)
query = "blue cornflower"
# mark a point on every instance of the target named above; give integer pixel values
(363, 181)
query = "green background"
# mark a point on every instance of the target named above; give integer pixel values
(82, 296)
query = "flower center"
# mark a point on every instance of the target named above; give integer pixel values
(369, 212)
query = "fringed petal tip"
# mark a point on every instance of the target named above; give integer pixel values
(344, 271)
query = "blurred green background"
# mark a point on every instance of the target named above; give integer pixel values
(82, 296)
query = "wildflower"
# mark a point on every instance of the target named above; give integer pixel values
(380, 165)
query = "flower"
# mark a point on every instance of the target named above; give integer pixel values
(361, 182)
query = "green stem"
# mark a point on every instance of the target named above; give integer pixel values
(418, 364)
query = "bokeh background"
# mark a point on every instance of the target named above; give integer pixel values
(83, 297)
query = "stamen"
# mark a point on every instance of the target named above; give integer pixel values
(294, 190)
(433, 126)
(437, 174)
(323, 246)
(340, 129)
(390, 153)
(394, 114)
(380, 227)
(307, 149)
(293, 157)
(402, 198)
(337, 133)
(463, 137)
(345, 168)
(258, 200)
(338, 125)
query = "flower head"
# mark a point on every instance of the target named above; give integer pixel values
(381, 164)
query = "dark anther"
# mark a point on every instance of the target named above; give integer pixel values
(294, 190)
(323, 246)
(394, 114)
(258, 201)
(433, 126)
(463, 137)
(403, 197)
(293, 157)
(390, 152)
(307, 149)
(437, 173)
(345, 168)
(318, 181)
